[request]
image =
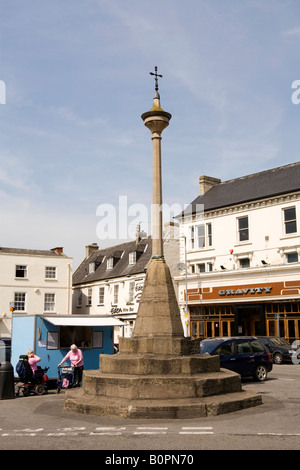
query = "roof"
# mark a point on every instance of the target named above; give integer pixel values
(269, 183)
(24, 251)
(121, 266)
(74, 320)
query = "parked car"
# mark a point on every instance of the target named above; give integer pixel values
(5, 349)
(245, 355)
(280, 349)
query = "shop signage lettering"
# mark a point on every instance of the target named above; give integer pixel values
(115, 310)
(245, 291)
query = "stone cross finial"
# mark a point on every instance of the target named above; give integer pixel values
(156, 78)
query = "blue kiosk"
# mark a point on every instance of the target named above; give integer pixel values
(50, 337)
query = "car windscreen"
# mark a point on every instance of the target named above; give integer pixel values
(208, 346)
(279, 342)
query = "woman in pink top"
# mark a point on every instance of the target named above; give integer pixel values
(33, 360)
(76, 358)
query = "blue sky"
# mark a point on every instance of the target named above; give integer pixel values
(77, 81)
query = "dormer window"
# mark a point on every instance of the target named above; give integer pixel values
(132, 257)
(110, 263)
(91, 268)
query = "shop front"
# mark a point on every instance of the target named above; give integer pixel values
(271, 309)
(50, 337)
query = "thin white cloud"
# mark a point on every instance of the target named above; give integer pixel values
(67, 114)
(292, 32)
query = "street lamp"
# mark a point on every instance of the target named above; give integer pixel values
(186, 293)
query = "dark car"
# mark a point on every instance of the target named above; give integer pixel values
(245, 355)
(280, 349)
(5, 349)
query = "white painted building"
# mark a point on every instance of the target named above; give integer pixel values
(110, 280)
(243, 252)
(33, 282)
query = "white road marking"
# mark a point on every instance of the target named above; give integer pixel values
(29, 430)
(197, 430)
(148, 430)
(110, 428)
(105, 433)
(72, 429)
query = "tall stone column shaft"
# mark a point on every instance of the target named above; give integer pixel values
(157, 244)
(156, 120)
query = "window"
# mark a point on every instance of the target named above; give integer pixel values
(290, 222)
(79, 298)
(209, 266)
(201, 268)
(243, 229)
(203, 236)
(20, 298)
(80, 335)
(101, 295)
(209, 235)
(131, 291)
(116, 294)
(49, 303)
(50, 272)
(91, 268)
(89, 297)
(110, 263)
(244, 263)
(132, 257)
(21, 270)
(292, 257)
(192, 237)
(257, 346)
(243, 347)
(226, 349)
(192, 269)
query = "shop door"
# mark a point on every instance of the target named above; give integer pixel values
(250, 321)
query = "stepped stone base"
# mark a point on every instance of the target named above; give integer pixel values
(184, 408)
(161, 387)
(158, 373)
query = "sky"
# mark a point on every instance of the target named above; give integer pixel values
(75, 78)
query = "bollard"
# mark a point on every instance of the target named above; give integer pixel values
(7, 387)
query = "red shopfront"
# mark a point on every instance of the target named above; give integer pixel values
(271, 309)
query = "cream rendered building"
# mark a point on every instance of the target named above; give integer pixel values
(243, 252)
(33, 282)
(110, 281)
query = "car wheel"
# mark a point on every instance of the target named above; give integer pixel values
(260, 373)
(277, 358)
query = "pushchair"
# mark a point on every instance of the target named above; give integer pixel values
(28, 381)
(66, 377)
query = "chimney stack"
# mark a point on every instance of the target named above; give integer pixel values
(207, 182)
(59, 250)
(171, 230)
(89, 249)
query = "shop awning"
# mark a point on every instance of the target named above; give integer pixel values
(74, 320)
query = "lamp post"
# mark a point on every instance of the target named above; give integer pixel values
(187, 320)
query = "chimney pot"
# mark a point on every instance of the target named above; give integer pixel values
(59, 250)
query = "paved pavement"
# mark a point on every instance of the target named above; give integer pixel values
(40, 423)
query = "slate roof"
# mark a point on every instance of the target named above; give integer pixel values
(120, 253)
(24, 251)
(269, 183)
